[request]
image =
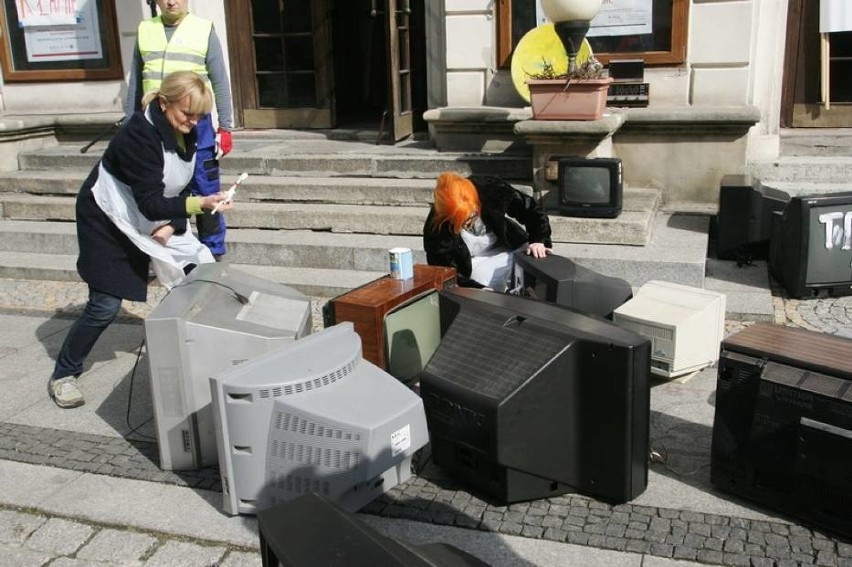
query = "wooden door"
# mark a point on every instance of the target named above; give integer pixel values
(281, 65)
(802, 104)
(398, 19)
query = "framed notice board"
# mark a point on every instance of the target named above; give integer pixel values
(651, 30)
(63, 40)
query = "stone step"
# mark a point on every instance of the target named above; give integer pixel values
(314, 158)
(632, 227)
(800, 188)
(323, 264)
(809, 169)
(815, 142)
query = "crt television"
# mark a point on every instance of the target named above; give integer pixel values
(782, 432)
(562, 281)
(218, 318)
(744, 218)
(811, 247)
(684, 324)
(397, 319)
(526, 399)
(313, 415)
(588, 187)
(311, 530)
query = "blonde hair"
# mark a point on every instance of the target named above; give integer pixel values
(179, 85)
(456, 199)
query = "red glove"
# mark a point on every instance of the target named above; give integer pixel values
(224, 143)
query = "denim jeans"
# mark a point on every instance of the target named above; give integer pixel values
(100, 311)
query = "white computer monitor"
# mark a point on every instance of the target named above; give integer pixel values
(313, 416)
(219, 318)
(685, 325)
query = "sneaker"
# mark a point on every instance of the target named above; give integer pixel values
(65, 392)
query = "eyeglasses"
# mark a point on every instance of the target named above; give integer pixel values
(470, 222)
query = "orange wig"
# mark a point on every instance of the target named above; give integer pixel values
(456, 200)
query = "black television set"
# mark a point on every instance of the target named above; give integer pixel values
(810, 252)
(587, 187)
(311, 530)
(562, 281)
(782, 431)
(744, 218)
(526, 399)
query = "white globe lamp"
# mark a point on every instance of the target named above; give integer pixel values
(571, 19)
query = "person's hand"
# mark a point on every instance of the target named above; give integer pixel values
(224, 143)
(162, 233)
(538, 250)
(219, 199)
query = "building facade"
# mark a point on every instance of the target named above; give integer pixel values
(725, 76)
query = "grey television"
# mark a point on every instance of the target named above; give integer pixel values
(219, 318)
(313, 415)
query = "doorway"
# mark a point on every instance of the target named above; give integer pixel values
(329, 64)
(803, 104)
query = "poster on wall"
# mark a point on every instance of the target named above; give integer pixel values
(835, 16)
(59, 42)
(622, 17)
(47, 13)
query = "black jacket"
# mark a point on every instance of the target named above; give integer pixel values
(108, 260)
(527, 223)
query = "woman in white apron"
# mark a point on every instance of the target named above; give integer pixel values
(132, 210)
(476, 223)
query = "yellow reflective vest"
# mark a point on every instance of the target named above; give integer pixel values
(186, 51)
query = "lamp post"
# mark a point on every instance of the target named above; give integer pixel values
(571, 19)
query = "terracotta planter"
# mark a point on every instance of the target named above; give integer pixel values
(558, 99)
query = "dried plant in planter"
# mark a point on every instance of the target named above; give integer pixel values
(591, 68)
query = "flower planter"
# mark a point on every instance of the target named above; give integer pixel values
(558, 99)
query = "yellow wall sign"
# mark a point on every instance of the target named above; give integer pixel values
(539, 47)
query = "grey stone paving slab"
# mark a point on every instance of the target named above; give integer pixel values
(21, 486)
(58, 536)
(117, 546)
(16, 527)
(185, 554)
(19, 556)
(241, 559)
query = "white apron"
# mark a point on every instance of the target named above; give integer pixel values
(116, 200)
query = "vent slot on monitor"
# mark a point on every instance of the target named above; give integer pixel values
(307, 385)
(283, 421)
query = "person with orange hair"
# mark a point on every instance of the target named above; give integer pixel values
(476, 223)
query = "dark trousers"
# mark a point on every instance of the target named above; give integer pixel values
(100, 311)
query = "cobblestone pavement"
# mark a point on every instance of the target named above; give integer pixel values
(29, 537)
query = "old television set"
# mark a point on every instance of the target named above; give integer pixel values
(219, 318)
(562, 281)
(296, 534)
(782, 431)
(515, 394)
(744, 218)
(313, 416)
(587, 187)
(684, 324)
(811, 246)
(397, 319)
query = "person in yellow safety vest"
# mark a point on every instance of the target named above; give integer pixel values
(177, 40)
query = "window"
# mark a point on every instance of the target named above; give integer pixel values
(665, 45)
(59, 41)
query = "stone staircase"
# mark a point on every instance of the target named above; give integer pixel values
(319, 213)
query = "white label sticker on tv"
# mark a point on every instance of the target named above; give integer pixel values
(400, 440)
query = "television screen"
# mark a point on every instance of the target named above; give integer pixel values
(811, 246)
(589, 187)
(412, 333)
(559, 280)
(744, 219)
(313, 416)
(369, 306)
(526, 399)
(219, 318)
